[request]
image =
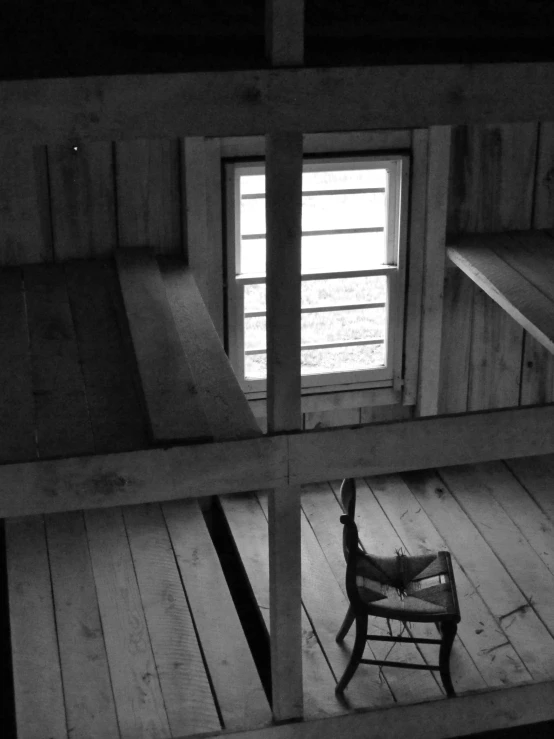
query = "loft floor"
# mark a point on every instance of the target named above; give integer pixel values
(128, 615)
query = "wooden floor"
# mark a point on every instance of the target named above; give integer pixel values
(496, 519)
(122, 625)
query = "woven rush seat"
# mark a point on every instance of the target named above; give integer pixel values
(405, 588)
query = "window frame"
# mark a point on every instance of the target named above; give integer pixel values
(390, 376)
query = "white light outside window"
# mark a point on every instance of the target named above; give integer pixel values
(352, 271)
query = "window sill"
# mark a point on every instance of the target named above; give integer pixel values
(339, 399)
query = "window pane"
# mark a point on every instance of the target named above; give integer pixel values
(252, 184)
(324, 328)
(254, 297)
(318, 361)
(326, 212)
(252, 256)
(344, 325)
(319, 293)
(342, 253)
(344, 179)
(252, 216)
(342, 359)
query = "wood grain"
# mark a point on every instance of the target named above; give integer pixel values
(236, 682)
(89, 701)
(183, 679)
(136, 686)
(171, 397)
(62, 417)
(148, 195)
(17, 437)
(82, 194)
(35, 655)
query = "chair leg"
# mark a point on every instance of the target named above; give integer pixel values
(346, 624)
(448, 630)
(357, 652)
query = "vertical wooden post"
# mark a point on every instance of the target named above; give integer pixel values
(284, 32)
(434, 267)
(283, 216)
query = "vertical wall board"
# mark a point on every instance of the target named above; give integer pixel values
(202, 221)
(491, 189)
(537, 380)
(434, 265)
(148, 182)
(326, 419)
(543, 213)
(416, 246)
(82, 192)
(25, 229)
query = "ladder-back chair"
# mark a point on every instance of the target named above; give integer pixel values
(419, 589)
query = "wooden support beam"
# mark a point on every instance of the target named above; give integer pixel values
(283, 263)
(167, 382)
(439, 719)
(434, 265)
(284, 32)
(175, 472)
(246, 102)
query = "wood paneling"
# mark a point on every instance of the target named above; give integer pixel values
(491, 189)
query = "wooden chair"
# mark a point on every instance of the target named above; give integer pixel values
(404, 588)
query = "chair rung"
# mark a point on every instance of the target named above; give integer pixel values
(380, 663)
(408, 639)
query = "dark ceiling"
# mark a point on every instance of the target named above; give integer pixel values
(43, 38)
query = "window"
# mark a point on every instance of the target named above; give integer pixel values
(353, 272)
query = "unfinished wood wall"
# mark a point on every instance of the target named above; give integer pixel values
(65, 202)
(501, 178)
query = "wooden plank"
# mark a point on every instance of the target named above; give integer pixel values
(522, 301)
(248, 525)
(526, 632)
(113, 401)
(151, 475)
(543, 211)
(382, 413)
(17, 437)
(203, 221)
(535, 474)
(433, 278)
(526, 568)
(245, 102)
(522, 509)
(183, 679)
(62, 418)
(521, 705)
(489, 647)
(414, 297)
(226, 408)
(35, 656)
(25, 229)
(239, 692)
(323, 511)
(136, 686)
(82, 192)
(284, 32)
(169, 390)
(148, 195)
(283, 266)
(89, 701)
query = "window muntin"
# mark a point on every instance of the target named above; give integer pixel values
(352, 271)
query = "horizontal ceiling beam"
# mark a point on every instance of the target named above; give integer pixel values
(175, 472)
(240, 103)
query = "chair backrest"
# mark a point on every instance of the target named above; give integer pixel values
(348, 497)
(350, 539)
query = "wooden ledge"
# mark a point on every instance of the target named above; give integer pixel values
(516, 269)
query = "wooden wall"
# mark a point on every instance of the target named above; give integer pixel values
(501, 178)
(65, 202)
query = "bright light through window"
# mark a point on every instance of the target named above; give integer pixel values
(350, 215)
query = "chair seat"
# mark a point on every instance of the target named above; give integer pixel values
(408, 588)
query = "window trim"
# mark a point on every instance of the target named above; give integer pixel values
(396, 228)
